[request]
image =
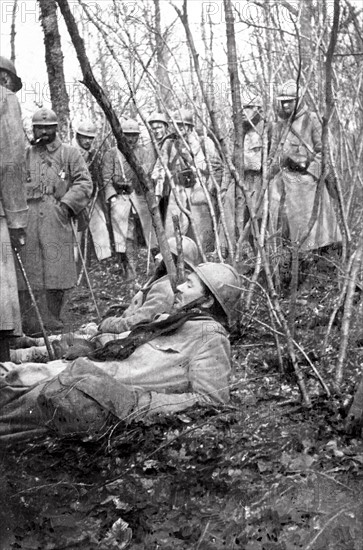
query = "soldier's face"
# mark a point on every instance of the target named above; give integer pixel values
(184, 129)
(7, 80)
(192, 289)
(159, 130)
(132, 139)
(288, 107)
(44, 134)
(85, 142)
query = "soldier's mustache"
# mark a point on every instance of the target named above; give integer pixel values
(42, 139)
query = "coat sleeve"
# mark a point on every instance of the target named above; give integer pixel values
(314, 167)
(158, 174)
(12, 161)
(79, 193)
(108, 169)
(160, 299)
(209, 373)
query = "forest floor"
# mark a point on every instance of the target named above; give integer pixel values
(260, 474)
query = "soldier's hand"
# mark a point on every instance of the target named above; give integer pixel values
(17, 237)
(66, 210)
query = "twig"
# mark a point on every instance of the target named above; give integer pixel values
(330, 520)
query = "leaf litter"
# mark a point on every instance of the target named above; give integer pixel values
(260, 474)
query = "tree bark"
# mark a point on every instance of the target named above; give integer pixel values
(162, 57)
(236, 111)
(13, 31)
(54, 61)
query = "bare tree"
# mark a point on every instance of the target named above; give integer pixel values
(54, 62)
(13, 30)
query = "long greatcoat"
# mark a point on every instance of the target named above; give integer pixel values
(190, 365)
(292, 193)
(56, 173)
(116, 172)
(178, 157)
(13, 207)
(97, 218)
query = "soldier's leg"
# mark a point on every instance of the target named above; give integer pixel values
(5, 336)
(131, 249)
(55, 301)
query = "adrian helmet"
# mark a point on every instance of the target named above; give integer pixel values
(8, 66)
(190, 250)
(87, 129)
(223, 282)
(130, 126)
(158, 117)
(44, 117)
(183, 116)
(287, 91)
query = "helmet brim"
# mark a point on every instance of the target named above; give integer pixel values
(213, 291)
(82, 134)
(17, 82)
(286, 97)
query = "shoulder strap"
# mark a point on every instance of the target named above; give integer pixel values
(121, 162)
(27, 164)
(64, 158)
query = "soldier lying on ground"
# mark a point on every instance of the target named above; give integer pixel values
(164, 366)
(154, 298)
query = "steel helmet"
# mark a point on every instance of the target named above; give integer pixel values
(287, 90)
(183, 116)
(44, 117)
(87, 129)
(130, 126)
(249, 99)
(224, 283)
(190, 250)
(158, 117)
(8, 66)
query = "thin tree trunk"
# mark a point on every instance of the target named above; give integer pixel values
(347, 315)
(13, 31)
(54, 61)
(162, 56)
(236, 110)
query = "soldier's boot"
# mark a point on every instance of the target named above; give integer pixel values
(29, 319)
(5, 336)
(55, 301)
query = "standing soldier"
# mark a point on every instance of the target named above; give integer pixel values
(296, 165)
(59, 187)
(127, 202)
(159, 124)
(186, 154)
(160, 127)
(85, 135)
(13, 207)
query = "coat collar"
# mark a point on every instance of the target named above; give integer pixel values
(51, 147)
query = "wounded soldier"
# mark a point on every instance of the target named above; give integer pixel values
(157, 296)
(163, 366)
(154, 298)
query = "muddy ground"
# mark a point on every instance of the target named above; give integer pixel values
(260, 474)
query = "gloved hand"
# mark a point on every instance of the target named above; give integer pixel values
(80, 348)
(17, 237)
(297, 162)
(114, 325)
(68, 212)
(126, 188)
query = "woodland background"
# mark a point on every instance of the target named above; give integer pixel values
(276, 470)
